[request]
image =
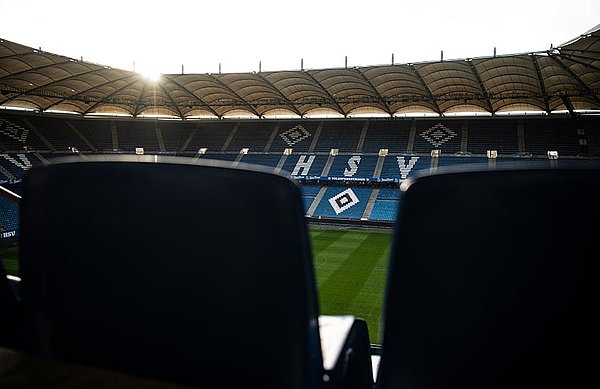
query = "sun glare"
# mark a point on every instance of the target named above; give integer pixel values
(151, 75)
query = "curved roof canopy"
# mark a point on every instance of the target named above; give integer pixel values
(559, 79)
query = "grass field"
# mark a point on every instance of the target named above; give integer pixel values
(350, 267)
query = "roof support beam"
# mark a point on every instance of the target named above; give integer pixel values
(243, 101)
(204, 104)
(569, 106)
(376, 93)
(84, 98)
(107, 97)
(325, 91)
(484, 93)
(429, 94)
(573, 58)
(576, 78)
(11, 75)
(176, 106)
(278, 92)
(39, 87)
(138, 103)
(541, 83)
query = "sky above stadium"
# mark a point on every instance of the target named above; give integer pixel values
(154, 37)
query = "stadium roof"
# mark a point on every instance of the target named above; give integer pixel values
(564, 78)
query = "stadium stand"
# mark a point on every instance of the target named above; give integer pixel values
(298, 136)
(559, 135)
(343, 202)
(501, 295)
(268, 160)
(254, 136)
(444, 136)
(352, 166)
(213, 137)
(98, 230)
(138, 134)
(516, 142)
(342, 135)
(390, 134)
(492, 134)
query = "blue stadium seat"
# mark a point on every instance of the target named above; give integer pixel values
(193, 273)
(493, 282)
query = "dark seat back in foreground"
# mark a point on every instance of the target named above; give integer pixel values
(197, 274)
(493, 282)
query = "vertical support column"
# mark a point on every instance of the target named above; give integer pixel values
(272, 138)
(327, 166)
(411, 137)
(379, 167)
(188, 140)
(159, 138)
(281, 163)
(521, 137)
(370, 205)
(363, 135)
(313, 144)
(231, 135)
(114, 135)
(464, 137)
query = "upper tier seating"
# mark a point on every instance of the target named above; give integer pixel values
(491, 283)
(509, 136)
(193, 273)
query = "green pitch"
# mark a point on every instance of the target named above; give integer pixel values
(351, 268)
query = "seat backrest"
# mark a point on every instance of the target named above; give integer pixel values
(493, 282)
(190, 272)
(10, 312)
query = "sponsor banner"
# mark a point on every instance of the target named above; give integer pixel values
(345, 179)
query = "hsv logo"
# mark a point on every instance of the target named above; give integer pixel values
(405, 168)
(343, 201)
(294, 135)
(438, 135)
(352, 166)
(303, 165)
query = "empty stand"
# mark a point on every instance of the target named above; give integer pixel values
(400, 167)
(305, 165)
(194, 273)
(17, 135)
(174, 134)
(209, 135)
(493, 134)
(253, 135)
(390, 134)
(343, 202)
(441, 135)
(559, 134)
(342, 135)
(269, 160)
(137, 134)
(98, 131)
(353, 166)
(491, 284)
(386, 205)
(295, 135)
